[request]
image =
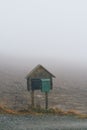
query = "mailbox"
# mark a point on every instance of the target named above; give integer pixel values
(36, 76)
(35, 84)
(39, 79)
(46, 85)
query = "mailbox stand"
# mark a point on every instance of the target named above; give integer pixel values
(46, 100)
(46, 86)
(39, 79)
(32, 98)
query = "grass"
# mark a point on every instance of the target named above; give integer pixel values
(39, 111)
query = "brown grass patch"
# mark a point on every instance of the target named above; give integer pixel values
(73, 112)
(39, 111)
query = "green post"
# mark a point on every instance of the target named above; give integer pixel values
(46, 100)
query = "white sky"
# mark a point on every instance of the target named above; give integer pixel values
(54, 29)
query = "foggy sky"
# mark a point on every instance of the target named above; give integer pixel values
(53, 29)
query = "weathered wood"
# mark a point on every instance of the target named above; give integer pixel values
(32, 98)
(46, 100)
(39, 72)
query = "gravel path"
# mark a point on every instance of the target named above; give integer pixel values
(46, 122)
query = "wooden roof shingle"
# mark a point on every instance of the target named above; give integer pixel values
(37, 67)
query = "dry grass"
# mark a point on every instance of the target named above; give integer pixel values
(4, 110)
(73, 112)
(39, 111)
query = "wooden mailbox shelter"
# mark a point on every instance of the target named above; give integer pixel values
(39, 79)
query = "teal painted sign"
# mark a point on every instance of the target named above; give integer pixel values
(46, 85)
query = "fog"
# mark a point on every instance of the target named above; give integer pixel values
(51, 33)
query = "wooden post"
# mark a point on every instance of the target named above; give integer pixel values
(46, 100)
(32, 98)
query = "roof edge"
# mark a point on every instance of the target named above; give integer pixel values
(36, 68)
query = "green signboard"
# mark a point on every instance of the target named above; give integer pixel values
(46, 85)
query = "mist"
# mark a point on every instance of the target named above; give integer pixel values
(37, 30)
(50, 33)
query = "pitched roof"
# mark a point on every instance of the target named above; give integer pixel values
(38, 66)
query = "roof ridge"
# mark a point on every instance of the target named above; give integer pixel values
(39, 65)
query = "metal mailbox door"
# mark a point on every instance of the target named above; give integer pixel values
(46, 85)
(35, 84)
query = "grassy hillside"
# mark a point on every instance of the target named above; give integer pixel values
(70, 91)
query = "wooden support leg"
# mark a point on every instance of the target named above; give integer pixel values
(32, 98)
(46, 100)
